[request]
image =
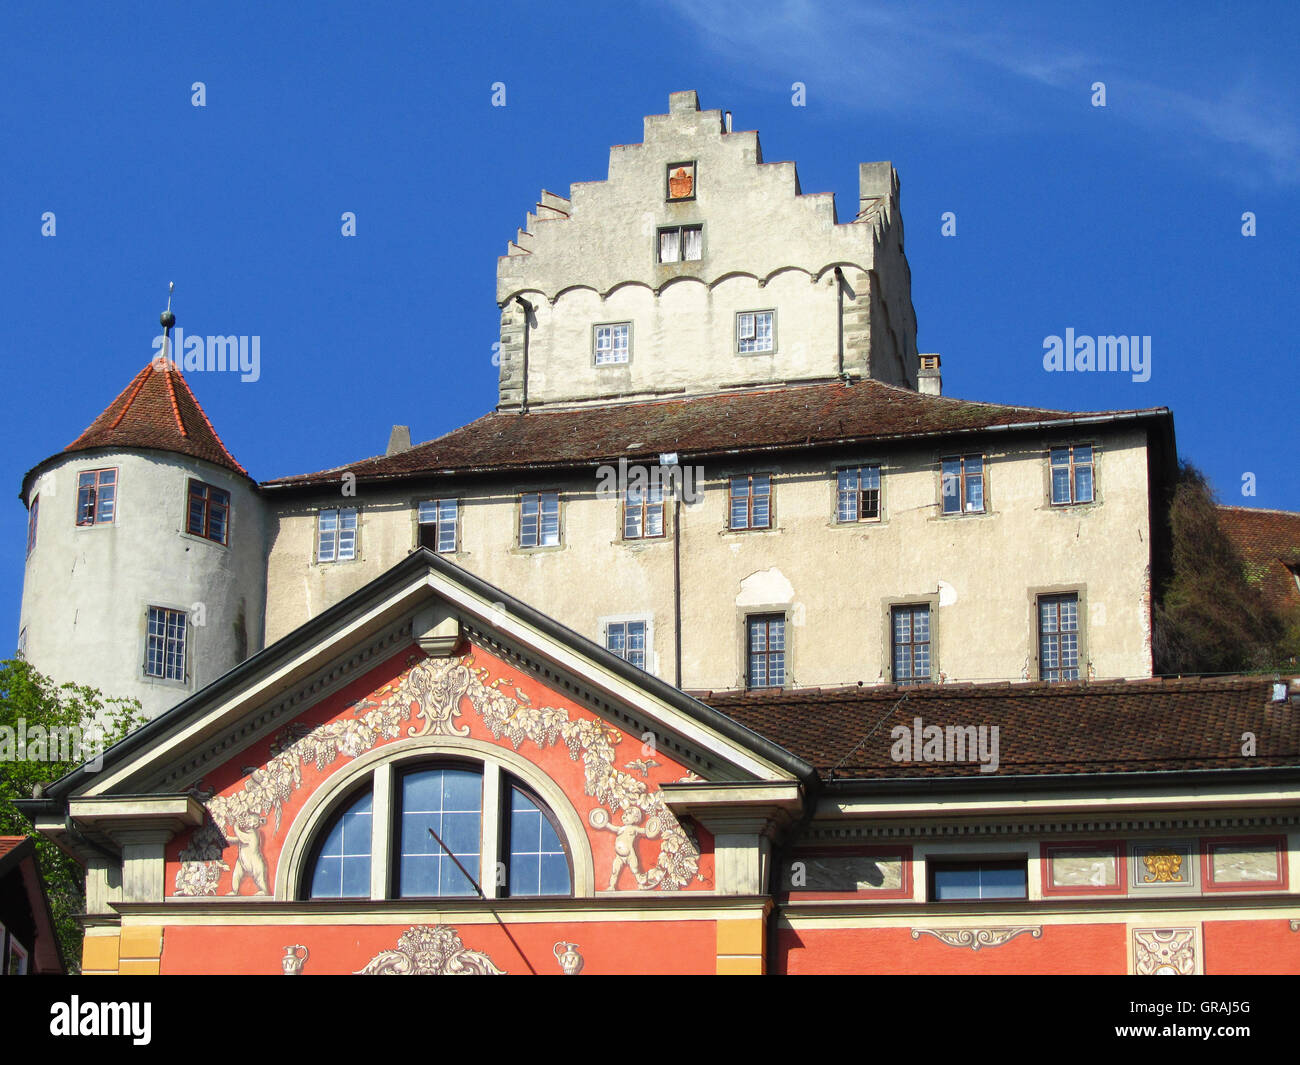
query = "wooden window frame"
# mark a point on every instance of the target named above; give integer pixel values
(437, 525)
(1043, 670)
(766, 620)
(1072, 467)
(646, 508)
(559, 527)
(859, 493)
(911, 608)
(95, 488)
(749, 525)
(208, 504)
(963, 480)
(681, 244)
(33, 516)
(336, 556)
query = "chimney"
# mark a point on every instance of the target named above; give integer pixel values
(683, 102)
(875, 182)
(399, 440)
(929, 381)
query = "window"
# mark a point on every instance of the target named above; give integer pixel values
(613, 343)
(96, 497)
(978, 880)
(209, 514)
(754, 332)
(963, 484)
(681, 244)
(538, 862)
(643, 513)
(539, 519)
(522, 850)
(438, 525)
(627, 639)
(31, 522)
(1058, 637)
(1071, 474)
(18, 957)
(766, 668)
(336, 539)
(751, 501)
(342, 866)
(910, 637)
(858, 494)
(165, 646)
(450, 802)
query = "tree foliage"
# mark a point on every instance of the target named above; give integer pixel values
(33, 705)
(1211, 617)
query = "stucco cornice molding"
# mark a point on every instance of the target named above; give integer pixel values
(824, 832)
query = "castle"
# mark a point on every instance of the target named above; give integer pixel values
(694, 310)
(726, 643)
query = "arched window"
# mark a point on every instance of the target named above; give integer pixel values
(453, 825)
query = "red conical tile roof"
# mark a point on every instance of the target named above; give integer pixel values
(157, 410)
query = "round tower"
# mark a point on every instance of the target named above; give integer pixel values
(146, 549)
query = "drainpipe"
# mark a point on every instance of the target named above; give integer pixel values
(677, 587)
(839, 321)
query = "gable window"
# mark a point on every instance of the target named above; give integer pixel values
(680, 244)
(858, 494)
(209, 512)
(31, 522)
(1071, 474)
(962, 484)
(627, 639)
(539, 519)
(451, 801)
(165, 646)
(643, 513)
(437, 518)
(766, 651)
(751, 501)
(336, 535)
(96, 497)
(978, 880)
(342, 866)
(910, 639)
(613, 343)
(1058, 637)
(754, 332)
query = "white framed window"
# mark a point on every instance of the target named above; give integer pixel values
(539, 519)
(751, 501)
(336, 535)
(96, 497)
(962, 484)
(858, 494)
(765, 644)
(165, 645)
(755, 332)
(1071, 474)
(613, 343)
(1058, 637)
(629, 639)
(643, 513)
(18, 958)
(679, 244)
(438, 525)
(910, 644)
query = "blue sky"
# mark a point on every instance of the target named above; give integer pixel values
(1123, 219)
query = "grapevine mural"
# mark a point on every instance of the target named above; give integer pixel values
(431, 698)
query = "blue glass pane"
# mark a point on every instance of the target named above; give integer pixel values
(326, 880)
(452, 881)
(459, 833)
(419, 875)
(555, 875)
(343, 866)
(957, 883)
(1002, 883)
(525, 874)
(356, 877)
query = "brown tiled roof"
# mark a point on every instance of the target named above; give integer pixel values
(10, 843)
(1108, 727)
(1269, 544)
(157, 410)
(778, 418)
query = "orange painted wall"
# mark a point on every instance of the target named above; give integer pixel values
(614, 947)
(1242, 948)
(378, 685)
(1063, 949)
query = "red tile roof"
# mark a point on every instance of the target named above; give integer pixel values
(1269, 544)
(157, 410)
(759, 419)
(10, 843)
(1107, 727)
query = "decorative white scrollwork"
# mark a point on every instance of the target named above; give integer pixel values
(975, 938)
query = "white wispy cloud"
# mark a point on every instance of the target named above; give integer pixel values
(954, 63)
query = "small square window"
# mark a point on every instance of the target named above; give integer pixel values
(755, 332)
(1058, 637)
(627, 639)
(858, 494)
(679, 244)
(209, 512)
(165, 647)
(962, 484)
(96, 497)
(613, 343)
(1071, 474)
(437, 519)
(336, 539)
(539, 519)
(751, 501)
(766, 651)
